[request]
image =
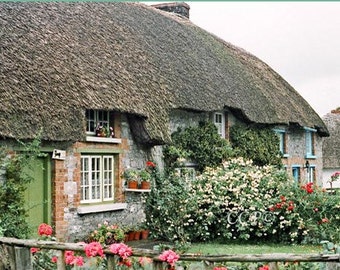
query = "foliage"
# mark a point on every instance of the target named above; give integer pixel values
(241, 201)
(106, 234)
(258, 144)
(201, 144)
(13, 181)
(130, 174)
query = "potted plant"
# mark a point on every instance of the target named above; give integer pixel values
(131, 177)
(145, 178)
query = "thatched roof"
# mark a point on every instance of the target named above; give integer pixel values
(331, 145)
(57, 59)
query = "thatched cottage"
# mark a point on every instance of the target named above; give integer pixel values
(331, 149)
(65, 67)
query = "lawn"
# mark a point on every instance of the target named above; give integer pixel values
(220, 249)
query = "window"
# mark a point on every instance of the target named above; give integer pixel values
(311, 174)
(283, 141)
(219, 122)
(95, 118)
(97, 178)
(310, 151)
(296, 173)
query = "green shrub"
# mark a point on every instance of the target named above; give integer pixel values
(241, 201)
(261, 145)
(201, 144)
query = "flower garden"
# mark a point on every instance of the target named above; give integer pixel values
(236, 202)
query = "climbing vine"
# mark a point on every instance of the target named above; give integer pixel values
(13, 182)
(258, 144)
(201, 144)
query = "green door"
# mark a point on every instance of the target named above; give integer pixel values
(38, 193)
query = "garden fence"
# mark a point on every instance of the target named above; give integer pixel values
(15, 255)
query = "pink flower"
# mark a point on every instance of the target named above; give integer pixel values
(220, 268)
(78, 260)
(169, 256)
(121, 249)
(69, 257)
(45, 229)
(34, 250)
(144, 261)
(54, 259)
(94, 249)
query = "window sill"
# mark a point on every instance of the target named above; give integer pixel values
(101, 208)
(310, 156)
(137, 190)
(285, 155)
(103, 139)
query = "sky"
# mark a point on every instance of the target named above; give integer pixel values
(299, 40)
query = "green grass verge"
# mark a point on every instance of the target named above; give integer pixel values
(219, 249)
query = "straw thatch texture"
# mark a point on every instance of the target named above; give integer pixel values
(331, 145)
(57, 59)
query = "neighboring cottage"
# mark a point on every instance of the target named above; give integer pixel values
(331, 148)
(67, 67)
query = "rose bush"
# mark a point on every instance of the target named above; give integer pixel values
(241, 201)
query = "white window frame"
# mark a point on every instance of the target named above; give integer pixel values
(298, 169)
(219, 122)
(95, 118)
(311, 174)
(310, 147)
(281, 133)
(97, 178)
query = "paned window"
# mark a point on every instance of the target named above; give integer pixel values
(311, 174)
(95, 118)
(282, 141)
(97, 178)
(309, 135)
(296, 174)
(219, 122)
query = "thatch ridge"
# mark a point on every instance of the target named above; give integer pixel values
(60, 58)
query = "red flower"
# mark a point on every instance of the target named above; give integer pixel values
(265, 267)
(272, 208)
(121, 249)
(283, 198)
(325, 220)
(308, 187)
(278, 205)
(34, 250)
(45, 229)
(150, 164)
(54, 259)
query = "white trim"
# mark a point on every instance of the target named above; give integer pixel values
(103, 139)
(101, 208)
(137, 190)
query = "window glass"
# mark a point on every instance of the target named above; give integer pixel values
(97, 178)
(220, 123)
(97, 118)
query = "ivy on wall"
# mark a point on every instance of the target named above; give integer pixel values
(13, 182)
(258, 144)
(200, 144)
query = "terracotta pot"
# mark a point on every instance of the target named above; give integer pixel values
(145, 234)
(131, 236)
(145, 185)
(137, 235)
(133, 184)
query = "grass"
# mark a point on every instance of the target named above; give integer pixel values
(219, 249)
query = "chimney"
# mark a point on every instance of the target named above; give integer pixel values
(180, 8)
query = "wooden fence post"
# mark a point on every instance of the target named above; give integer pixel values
(110, 262)
(22, 258)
